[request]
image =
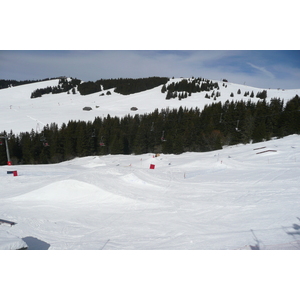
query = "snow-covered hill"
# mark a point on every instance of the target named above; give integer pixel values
(240, 197)
(19, 113)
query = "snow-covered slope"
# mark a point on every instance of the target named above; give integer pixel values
(235, 198)
(19, 113)
(10, 242)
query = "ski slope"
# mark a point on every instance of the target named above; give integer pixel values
(231, 199)
(234, 198)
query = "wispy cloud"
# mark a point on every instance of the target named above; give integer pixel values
(262, 70)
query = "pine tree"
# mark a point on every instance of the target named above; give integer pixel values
(291, 116)
(81, 140)
(169, 95)
(262, 95)
(259, 132)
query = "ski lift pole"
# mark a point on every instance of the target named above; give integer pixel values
(7, 150)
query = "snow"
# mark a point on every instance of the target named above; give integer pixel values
(231, 199)
(10, 242)
(19, 113)
(228, 199)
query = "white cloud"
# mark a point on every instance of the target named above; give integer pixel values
(263, 70)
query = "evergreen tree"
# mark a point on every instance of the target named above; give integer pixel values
(262, 95)
(247, 130)
(82, 140)
(259, 132)
(169, 95)
(291, 116)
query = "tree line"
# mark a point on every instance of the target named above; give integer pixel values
(63, 86)
(6, 83)
(166, 131)
(124, 86)
(186, 87)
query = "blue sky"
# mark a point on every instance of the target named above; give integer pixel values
(150, 27)
(259, 68)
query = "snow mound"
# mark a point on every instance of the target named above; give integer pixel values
(69, 189)
(88, 162)
(10, 242)
(133, 179)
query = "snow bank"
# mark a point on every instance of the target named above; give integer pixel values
(10, 242)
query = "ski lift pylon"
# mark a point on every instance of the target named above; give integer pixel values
(152, 127)
(163, 137)
(220, 121)
(237, 126)
(42, 138)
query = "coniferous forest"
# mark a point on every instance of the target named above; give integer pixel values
(4, 83)
(166, 131)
